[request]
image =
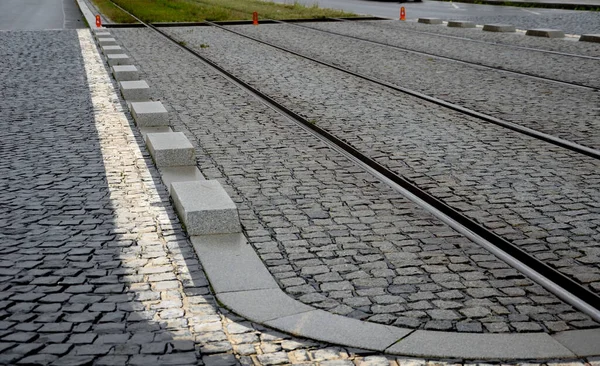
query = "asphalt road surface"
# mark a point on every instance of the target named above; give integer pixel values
(40, 14)
(570, 21)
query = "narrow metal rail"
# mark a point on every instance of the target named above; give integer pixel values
(556, 282)
(490, 43)
(510, 125)
(469, 63)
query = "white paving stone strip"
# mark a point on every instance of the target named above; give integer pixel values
(94, 267)
(508, 97)
(333, 237)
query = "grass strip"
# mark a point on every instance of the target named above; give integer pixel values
(154, 11)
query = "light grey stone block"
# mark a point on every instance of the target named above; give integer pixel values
(231, 263)
(115, 59)
(263, 305)
(109, 50)
(106, 41)
(149, 114)
(102, 33)
(125, 73)
(590, 38)
(584, 343)
(548, 33)
(135, 90)
(205, 208)
(327, 327)
(480, 346)
(173, 174)
(430, 20)
(460, 24)
(146, 130)
(171, 149)
(501, 28)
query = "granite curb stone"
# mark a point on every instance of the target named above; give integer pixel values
(111, 49)
(543, 32)
(125, 73)
(461, 24)
(149, 114)
(170, 149)
(135, 90)
(430, 20)
(114, 59)
(106, 41)
(590, 38)
(500, 28)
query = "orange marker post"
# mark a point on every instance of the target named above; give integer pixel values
(402, 13)
(255, 18)
(98, 21)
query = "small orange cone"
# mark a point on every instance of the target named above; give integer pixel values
(255, 18)
(98, 21)
(402, 13)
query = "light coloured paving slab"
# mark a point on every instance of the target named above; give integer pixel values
(461, 24)
(590, 38)
(205, 208)
(231, 263)
(263, 305)
(582, 342)
(430, 20)
(115, 59)
(109, 50)
(327, 327)
(171, 149)
(135, 90)
(125, 73)
(106, 41)
(149, 114)
(102, 33)
(480, 346)
(548, 33)
(146, 130)
(172, 174)
(501, 28)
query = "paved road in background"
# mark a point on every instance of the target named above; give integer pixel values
(40, 14)
(571, 21)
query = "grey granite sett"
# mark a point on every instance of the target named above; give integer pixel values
(582, 342)
(590, 38)
(327, 327)
(111, 49)
(125, 73)
(430, 20)
(543, 32)
(135, 90)
(171, 149)
(263, 305)
(105, 41)
(114, 59)
(231, 263)
(460, 24)
(205, 208)
(149, 114)
(501, 28)
(480, 346)
(173, 174)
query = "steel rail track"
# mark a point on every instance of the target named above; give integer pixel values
(469, 63)
(564, 287)
(490, 43)
(510, 125)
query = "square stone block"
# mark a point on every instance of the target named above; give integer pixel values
(460, 24)
(146, 130)
(108, 50)
(548, 33)
(149, 114)
(135, 91)
(172, 174)
(115, 59)
(107, 41)
(430, 20)
(502, 28)
(125, 73)
(205, 208)
(102, 33)
(171, 149)
(590, 38)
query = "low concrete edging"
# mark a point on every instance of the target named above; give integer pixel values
(242, 282)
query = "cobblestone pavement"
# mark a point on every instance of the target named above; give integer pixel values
(94, 266)
(540, 197)
(333, 236)
(536, 104)
(567, 45)
(560, 67)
